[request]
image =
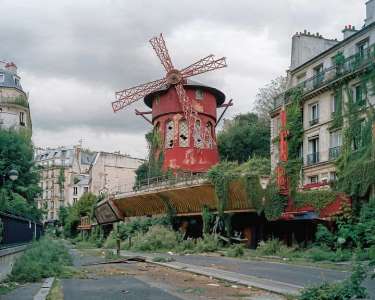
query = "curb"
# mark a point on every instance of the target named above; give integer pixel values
(44, 290)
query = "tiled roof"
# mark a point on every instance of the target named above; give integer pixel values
(9, 80)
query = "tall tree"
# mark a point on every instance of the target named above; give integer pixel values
(264, 100)
(246, 136)
(16, 153)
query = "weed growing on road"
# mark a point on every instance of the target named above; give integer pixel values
(45, 258)
(236, 250)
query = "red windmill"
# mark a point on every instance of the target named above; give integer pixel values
(183, 111)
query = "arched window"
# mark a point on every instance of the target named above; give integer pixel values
(183, 134)
(169, 134)
(199, 94)
(208, 135)
(198, 142)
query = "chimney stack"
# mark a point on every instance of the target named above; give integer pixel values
(348, 31)
(370, 12)
(11, 67)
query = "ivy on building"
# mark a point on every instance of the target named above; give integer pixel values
(294, 126)
(356, 163)
(267, 201)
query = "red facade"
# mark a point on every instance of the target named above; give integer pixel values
(187, 148)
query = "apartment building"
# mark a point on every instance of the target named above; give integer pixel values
(69, 172)
(315, 69)
(14, 105)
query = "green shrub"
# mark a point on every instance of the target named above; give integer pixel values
(270, 247)
(157, 238)
(45, 258)
(346, 290)
(236, 250)
(324, 237)
(110, 242)
(209, 243)
(325, 254)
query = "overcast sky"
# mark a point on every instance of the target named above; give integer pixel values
(73, 55)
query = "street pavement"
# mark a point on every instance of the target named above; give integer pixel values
(112, 288)
(297, 275)
(102, 287)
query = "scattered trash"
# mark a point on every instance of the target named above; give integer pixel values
(213, 284)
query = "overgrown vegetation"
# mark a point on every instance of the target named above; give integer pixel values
(246, 136)
(70, 216)
(153, 166)
(17, 197)
(348, 289)
(45, 258)
(248, 174)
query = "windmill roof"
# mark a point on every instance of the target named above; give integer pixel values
(220, 97)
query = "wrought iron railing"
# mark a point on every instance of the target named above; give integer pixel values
(328, 75)
(161, 182)
(334, 152)
(314, 121)
(312, 158)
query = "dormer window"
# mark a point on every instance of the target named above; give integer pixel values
(199, 94)
(16, 81)
(2, 77)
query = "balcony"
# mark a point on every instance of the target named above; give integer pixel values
(334, 152)
(314, 121)
(20, 100)
(312, 158)
(329, 75)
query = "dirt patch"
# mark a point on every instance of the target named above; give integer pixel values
(182, 284)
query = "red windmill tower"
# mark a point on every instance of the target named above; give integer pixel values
(183, 111)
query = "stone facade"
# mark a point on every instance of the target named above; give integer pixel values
(14, 105)
(319, 76)
(69, 172)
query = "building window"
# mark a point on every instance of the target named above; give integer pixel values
(314, 114)
(2, 77)
(276, 126)
(335, 142)
(86, 189)
(17, 81)
(318, 75)
(332, 176)
(52, 205)
(358, 95)
(75, 190)
(362, 48)
(313, 147)
(208, 136)
(183, 134)
(313, 179)
(198, 134)
(52, 215)
(169, 134)
(74, 200)
(22, 118)
(334, 103)
(199, 94)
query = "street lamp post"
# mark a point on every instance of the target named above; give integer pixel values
(12, 175)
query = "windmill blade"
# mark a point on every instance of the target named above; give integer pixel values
(130, 95)
(209, 63)
(161, 50)
(185, 102)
